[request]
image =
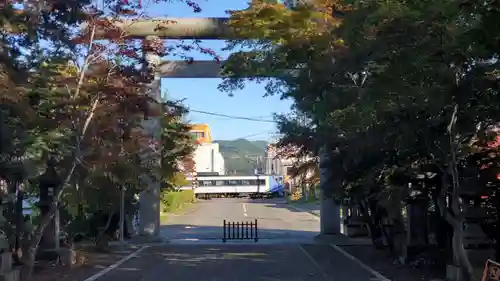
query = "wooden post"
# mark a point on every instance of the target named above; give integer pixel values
(224, 231)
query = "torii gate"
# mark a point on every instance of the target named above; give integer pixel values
(193, 28)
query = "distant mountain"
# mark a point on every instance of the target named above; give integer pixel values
(242, 156)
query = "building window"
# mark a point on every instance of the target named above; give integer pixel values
(205, 183)
(257, 182)
(197, 135)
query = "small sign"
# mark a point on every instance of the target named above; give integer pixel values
(491, 271)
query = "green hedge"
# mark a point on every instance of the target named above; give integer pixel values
(174, 200)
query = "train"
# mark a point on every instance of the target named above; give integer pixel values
(237, 186)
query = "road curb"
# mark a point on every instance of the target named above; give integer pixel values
(360, 263)
(303, 210)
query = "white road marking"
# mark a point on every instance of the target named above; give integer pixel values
(315, 263)
(379, 276)
(245, 209)
(375, 273)
(115, 265)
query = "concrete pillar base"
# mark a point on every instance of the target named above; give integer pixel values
(11, 275)
(149, 211)
(7, 273)
(330, 220)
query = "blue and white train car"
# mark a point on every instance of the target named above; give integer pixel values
(237, 186)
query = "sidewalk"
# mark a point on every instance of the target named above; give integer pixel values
(362, 250)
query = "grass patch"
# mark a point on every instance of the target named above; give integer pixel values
(163, 218)
(174, 201)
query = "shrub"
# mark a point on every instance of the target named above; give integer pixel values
(174, 200)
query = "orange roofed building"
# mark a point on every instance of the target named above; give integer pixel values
(207, 157)
(201, 133)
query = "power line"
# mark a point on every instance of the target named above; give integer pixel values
(268, 132)
(253, 117)
(232, 116)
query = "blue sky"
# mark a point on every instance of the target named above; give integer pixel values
(202, 94)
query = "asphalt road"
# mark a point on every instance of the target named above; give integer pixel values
(277, 221)
(286, 250)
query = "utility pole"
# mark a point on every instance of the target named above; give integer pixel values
(122, 214)
(122, 186)
(256, 172)
(304, 187)
(257, 165)
(194, 183)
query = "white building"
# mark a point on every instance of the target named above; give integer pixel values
(208, 159)
(282, 164)
(273, 165)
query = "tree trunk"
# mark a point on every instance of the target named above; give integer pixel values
(453, 214)
(19, 222)
(100, 242)
(376, 226)
(389, 238)
(454, 217)
(28, 258)
(399, 238)
(29, 254)
(459, 253)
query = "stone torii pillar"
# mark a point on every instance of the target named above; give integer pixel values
(149, 200)
(190, 28)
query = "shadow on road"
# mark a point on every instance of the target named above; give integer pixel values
(186, 232)
(291, 262)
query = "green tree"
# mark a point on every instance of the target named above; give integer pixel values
(176, 145)
(75, 103)
(392, 89)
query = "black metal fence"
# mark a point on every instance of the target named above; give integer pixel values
(246, 230)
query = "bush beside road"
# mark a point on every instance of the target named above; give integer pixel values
(174, 201)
